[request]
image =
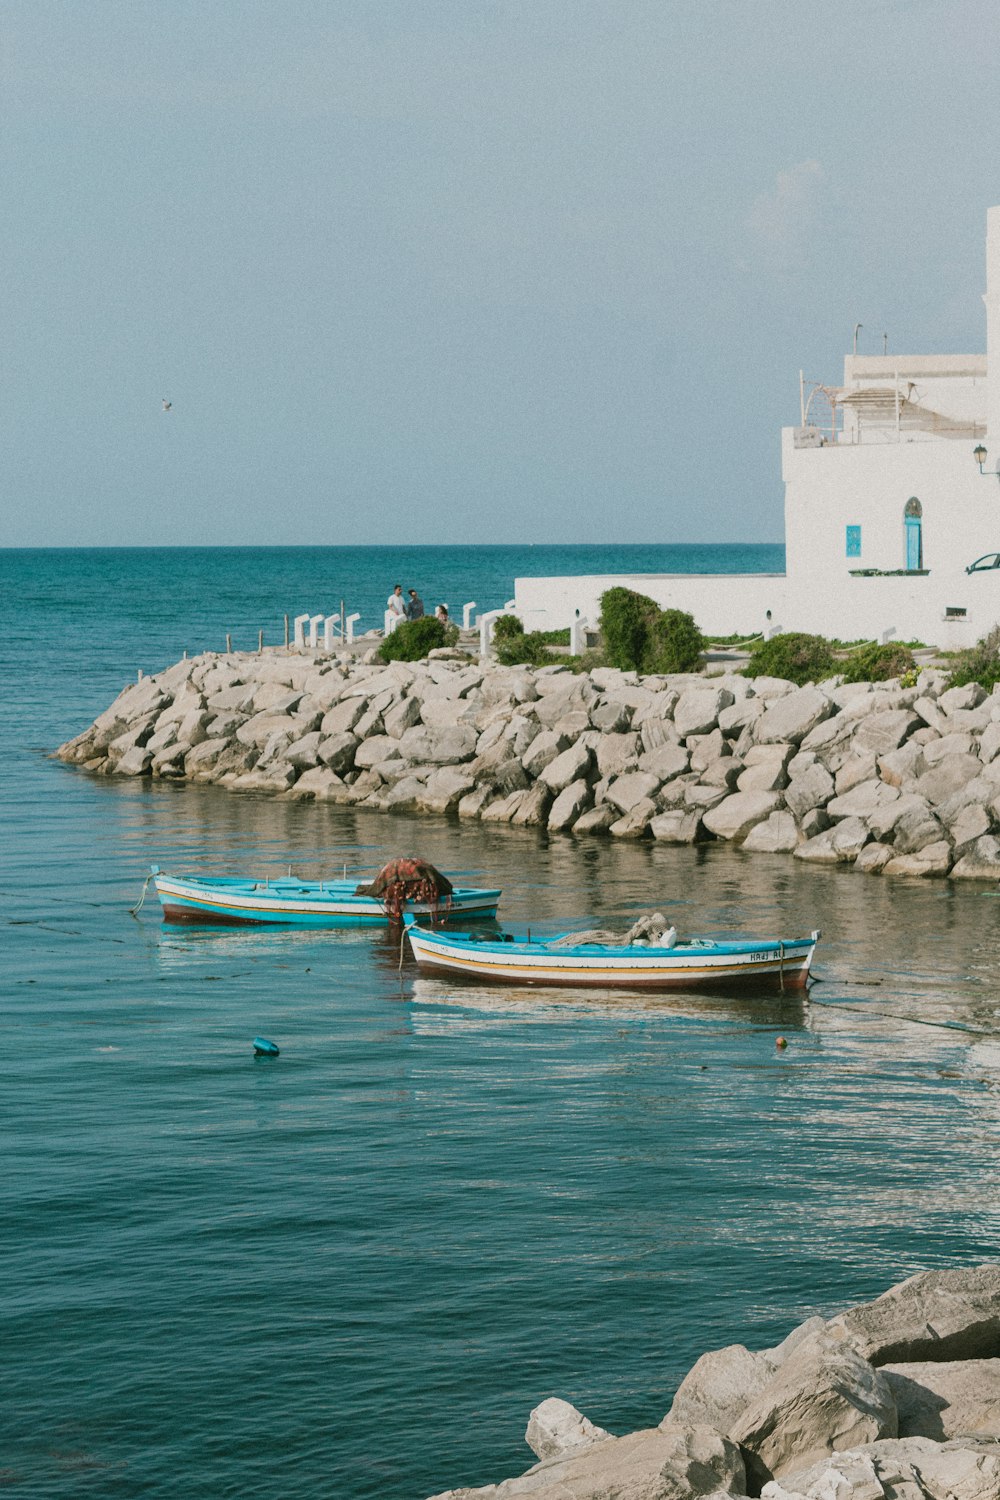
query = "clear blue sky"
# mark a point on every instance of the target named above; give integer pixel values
(465, 270)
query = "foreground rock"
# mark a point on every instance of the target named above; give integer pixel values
(902, 782)
(816, 1417)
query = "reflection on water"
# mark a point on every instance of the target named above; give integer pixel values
(763, 1007)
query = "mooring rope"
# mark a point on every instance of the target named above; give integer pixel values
(133, 910)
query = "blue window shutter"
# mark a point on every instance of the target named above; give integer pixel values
(854, 541)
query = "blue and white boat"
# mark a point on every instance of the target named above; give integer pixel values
(694, 964)
(301, 903)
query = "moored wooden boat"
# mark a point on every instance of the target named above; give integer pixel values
(697, 963)
(290, 901)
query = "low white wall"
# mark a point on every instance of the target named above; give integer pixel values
(904, 608)
(725, 604)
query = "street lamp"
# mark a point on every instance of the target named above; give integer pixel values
(979, 454)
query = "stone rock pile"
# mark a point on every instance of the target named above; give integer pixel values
(897, 1398)
(892, 780)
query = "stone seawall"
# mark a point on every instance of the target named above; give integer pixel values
(888, 779)
(897, 1399)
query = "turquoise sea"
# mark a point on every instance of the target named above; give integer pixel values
(352, 1271)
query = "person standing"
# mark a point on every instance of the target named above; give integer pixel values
(415, 608)
(395, 604)
(441, 613)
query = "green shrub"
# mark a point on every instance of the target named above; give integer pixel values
(675, 643)
(412, 640)
(506, 627)
(877, 663)
(639, 636)
(980, 663)
(795, 656)
(625, 618)
(520, 649)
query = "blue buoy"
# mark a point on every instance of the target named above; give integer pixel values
(263, 1048)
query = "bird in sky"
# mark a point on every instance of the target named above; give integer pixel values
(167, 405)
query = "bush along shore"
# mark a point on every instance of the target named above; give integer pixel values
(897, 1398)
(890, 779)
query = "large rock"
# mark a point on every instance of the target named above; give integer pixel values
(778, 834)
(678, 825)
(258, 730)
(825, 1396)
(882, 732)
(377, 748)
(444, 790)
(915, 831)
(338, 751)
(719, 1386)
(734, 817)
(814, 787)
(947, 777)
(912, 1468)
(697, 710)
(862, 800)
(439, 747)
(343, 716)
(653, 1464)
(935, 859)
(617, 753)
(980, 862)
(556, 1427)
(625, 792)
(665, 761)
(946, 1400)
(789, 719)
(898, 767)
(399, 718)
(570, 803)
(135, 762)
(935, 1315)
(533, 810)
(303, 753)
(543, 750)
(596, 819)
(568, 767)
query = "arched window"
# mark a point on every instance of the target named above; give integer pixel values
(913, 513)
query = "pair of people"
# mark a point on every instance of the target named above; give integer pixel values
(405, 609)
(413, 608)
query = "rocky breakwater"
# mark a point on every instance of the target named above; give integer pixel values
(897, 1398)
(888, 779)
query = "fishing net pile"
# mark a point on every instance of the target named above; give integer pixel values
(408, 880)
(650, 931)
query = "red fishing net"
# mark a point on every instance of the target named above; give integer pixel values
(403, 880)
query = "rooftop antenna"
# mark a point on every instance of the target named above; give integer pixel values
(857, 329)
(885, 343)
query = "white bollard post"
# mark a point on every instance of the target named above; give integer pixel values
(328, 631)
(467, 615)
(577, 635)
(301, 621)
(349, 622)
(315, 621)
(486, 629)
(887, 635)
(390, 622)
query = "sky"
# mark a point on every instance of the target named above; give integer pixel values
(465, 270)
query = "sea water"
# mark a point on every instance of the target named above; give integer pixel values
(351, 1271)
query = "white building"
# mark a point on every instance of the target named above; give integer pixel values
(892, 490)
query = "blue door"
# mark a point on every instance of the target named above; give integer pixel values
(914, 550)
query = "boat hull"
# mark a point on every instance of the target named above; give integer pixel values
(299, 903)
(703, 965)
